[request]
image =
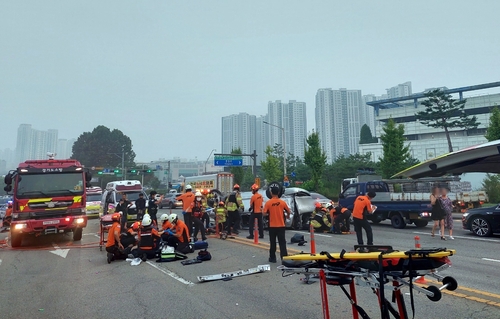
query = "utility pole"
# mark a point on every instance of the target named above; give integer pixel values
(123, 163)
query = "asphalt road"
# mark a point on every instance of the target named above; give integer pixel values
(52, 277)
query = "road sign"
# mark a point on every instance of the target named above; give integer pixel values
(286, 183)
(285, 179)
(228, 161)
(292, 174)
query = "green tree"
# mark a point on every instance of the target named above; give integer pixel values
(271, 166)
(493, 132)
(491, 184)
(396, 154)
(237, 171)
(248, 179)
(315, 158)
(443, 111)
(365, 136)
(103, 147)
(278, 152)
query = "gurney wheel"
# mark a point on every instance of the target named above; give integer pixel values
(437, 293)
(450, 282)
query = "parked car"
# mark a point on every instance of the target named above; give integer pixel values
(482, 221)
(170, 201)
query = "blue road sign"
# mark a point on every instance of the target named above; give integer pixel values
(228, 161)
(286, 183)
(292, 174)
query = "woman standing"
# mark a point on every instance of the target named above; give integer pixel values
(437, 212)
(448, 208)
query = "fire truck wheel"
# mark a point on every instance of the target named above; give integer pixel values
(16, 240)
(77, 234)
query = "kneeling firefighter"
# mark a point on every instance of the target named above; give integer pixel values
(148, 239)
(320, 219)
(341, 219)
(180, 238)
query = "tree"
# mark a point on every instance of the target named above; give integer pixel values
(442, 111)
(493, 132)
(278, 152)
(237, 171)
(365, 136)
(395, 153)
(315, 158)
(271, 166)
(103, 147)
(491, 185)
(248, 179)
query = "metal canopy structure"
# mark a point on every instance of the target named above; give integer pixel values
(483, 158)
(393, 103)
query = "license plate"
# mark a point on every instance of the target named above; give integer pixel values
(51, 222)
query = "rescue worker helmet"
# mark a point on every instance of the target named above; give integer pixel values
(255, 187)
(136, 225)
(236, 186)
(221, 204)
(198, 194)
(172, 217)
(115, 217)
(146, 221)
(188, 187)
(163, 217)
(317, 205)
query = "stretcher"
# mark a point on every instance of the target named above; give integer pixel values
(105, 223)
(375, 268)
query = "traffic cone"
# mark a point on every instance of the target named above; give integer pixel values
(421, 280)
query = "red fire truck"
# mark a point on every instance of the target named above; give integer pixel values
(49, 197)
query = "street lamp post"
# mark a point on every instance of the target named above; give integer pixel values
(205, 170)
(284, 144)
(123, 160)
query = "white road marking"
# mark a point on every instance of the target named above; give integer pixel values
(59, 252)
(0, 262)
(320, 235)
(488, 259)
(171, 274)
(463, 237)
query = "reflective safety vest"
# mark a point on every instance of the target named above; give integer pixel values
(320, 219)
(221, 214)
(234, 202)
(146, 241)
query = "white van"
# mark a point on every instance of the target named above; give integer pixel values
(113, 192)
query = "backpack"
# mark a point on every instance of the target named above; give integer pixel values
(185, 248)
(204, 255)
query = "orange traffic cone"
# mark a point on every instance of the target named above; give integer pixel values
(421, 280)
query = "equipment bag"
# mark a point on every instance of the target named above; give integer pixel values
(204, 255)
(185, 248)
(200, 245)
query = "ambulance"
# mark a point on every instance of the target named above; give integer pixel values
(114, 191)
(94, 195)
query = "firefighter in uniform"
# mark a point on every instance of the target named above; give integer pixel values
(319, 219)
(197, 211)
(234, 204)
(114, 247)
(8, 215)
(148, 239)
(340, 219)
(256, 212)
(221, 216)
(180, 238)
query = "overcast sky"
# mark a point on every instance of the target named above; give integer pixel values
(165, 72)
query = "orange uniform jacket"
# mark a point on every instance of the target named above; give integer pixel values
(111, 234)
(256, 203)
(166, 225)
(181, 231)
(361, 204)
(187, 199)
(8, 212)
(275, 208)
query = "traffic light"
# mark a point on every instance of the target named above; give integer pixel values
(99, 173)
(133, 171)
(117, 171)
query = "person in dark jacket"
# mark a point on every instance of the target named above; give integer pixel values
(140, 205)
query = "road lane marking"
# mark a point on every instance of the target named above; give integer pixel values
(171, 274)
(463, 237)
(59, 252)
(489, 259)
(0, 262)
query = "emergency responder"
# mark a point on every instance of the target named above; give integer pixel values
(114, 247)
(140, 205)
(274, 208)
(221, 216)
(340, 219)
(153, 206)
(256, 212)
(122, 207)
(148, 239)
(319, 218)
(362, 207)
(7, 219)
(234, 205)
(130, 239)
(180, 238)
(187, 198)
(205, 218)
(197, 211)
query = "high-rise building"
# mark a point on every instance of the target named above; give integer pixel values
(238, 131)
(261, 137)
(339, 117)
(65, 147)
(34, 144)
(291, 117)
(400, 90)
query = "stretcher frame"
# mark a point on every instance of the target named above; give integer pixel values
(105, 223)
(355, 275)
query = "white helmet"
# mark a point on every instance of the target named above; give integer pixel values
(188, 187)
(146, 220)
(198, 194)
(172, 217)
(163, 217)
